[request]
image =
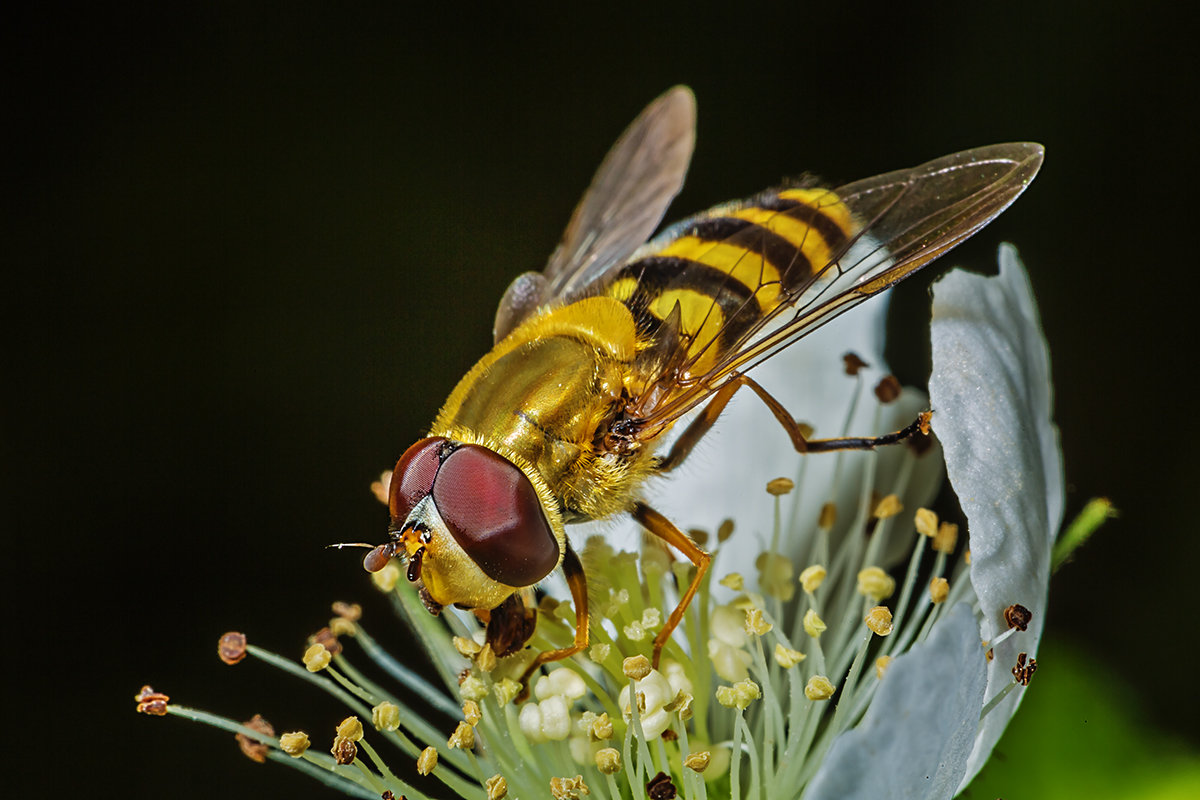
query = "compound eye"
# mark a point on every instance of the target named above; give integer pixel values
(412, 479)
(495, 514)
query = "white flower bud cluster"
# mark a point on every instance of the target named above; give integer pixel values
(549, 719)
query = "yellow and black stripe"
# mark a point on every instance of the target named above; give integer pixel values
(731, 267)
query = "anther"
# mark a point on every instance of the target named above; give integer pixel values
(660, 787)
(497, 787)
(786, 657)
(819, 688)
(926, 522)
(568, 788)
(151, 702)
(946, 538)
(812, 577)
(881, 666)
(697, 762)
(327, 638)
(344, 750)
(814, 626)
(780, 486)
(888, 506)
(295, 744)
(231, 648)
(636, 667)
(939, 590)
(1018, 616)
(876, 584)
(1023, 671)
(427, 760)
(888, 389)
(879, 620)
(316, 658)
(463, 737)
(252, 748)
(385, 716)
(828, 517)
(853, 364)
(608, 760)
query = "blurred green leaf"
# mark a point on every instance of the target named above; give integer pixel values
(1080, 733)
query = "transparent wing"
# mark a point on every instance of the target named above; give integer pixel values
(620, 210)
(903, 220)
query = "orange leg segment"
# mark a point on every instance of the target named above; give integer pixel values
(664, 529)
(708, 417)
(577, 581)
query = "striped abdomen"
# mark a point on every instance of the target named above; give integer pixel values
(730, 267)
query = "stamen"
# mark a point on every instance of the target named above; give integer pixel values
(939, 590)
(819, 688)
(812, 577)
(876, 584)
(926, 522)
(608, 760)
(879, 620)
(295, 744)
(881, 666)
(888, 506)
(231, 648)
(385, 716)
(497, 787)
(427, 760)
(463, 737)
(814, 626)
(317, 658)
(252, 748)
(1018, 616)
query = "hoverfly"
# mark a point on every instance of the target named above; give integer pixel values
(597, 357)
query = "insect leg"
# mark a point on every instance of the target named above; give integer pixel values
(573, 570)
(701, 424)
(664, 529)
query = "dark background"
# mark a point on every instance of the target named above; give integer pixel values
(249, 252)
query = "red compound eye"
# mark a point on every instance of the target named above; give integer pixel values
(412, 479)
(495, 515)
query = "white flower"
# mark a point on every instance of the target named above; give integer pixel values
(843, 641)
(991, 393)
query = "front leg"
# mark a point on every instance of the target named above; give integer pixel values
(664, 529)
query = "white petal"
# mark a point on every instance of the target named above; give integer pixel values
(992, 399)
(917, 733)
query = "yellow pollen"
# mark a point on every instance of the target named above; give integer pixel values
(939, 590)
(812, 577)
(295, 744)
(786, 657)
(828, 517)
(316, 658)
(471, 712)
(636, 667)
(946, 538)
(889, 506)
(350, 728)
(876, 584)
(463, 737)
(879, 620)
(697, 762)
(427, 761)
(385, 716)
(819, 688)
(780, 486)
(486, 658)
(755, 624)
(568, 788)
(814, 626)
(608, 760)
(497, 787)
(506, 690)
(733, 581)
(740, 695)
(472, 688)
(599, 652)
(926, 522)
(881, 665)
(467, 648)
(601, 728)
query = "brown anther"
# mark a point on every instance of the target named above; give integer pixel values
(388, 794)
(350, 611)
(231, 647)
(1023, 671)
(888, 389)
(1018, 616)
(661, 788)
(827, 517)
(853, 364)
(669, 735)
(344, 750)
(990, 655)
(496, 787)
(151, 702)
(698, 535)
(326, 638)
(253, 748)
(724, 530)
